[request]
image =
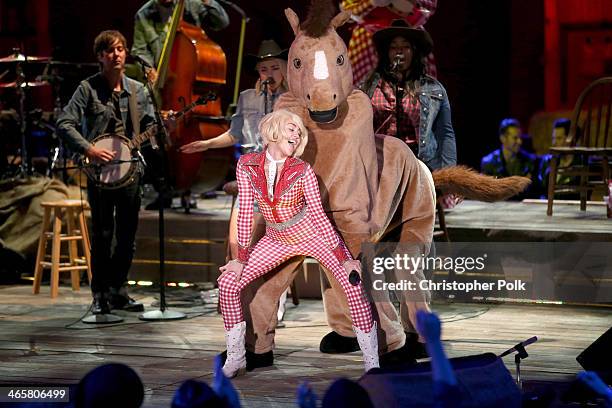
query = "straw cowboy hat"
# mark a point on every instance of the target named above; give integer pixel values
(267, 49)
(399, 28)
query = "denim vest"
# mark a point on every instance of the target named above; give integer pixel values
(437, 147)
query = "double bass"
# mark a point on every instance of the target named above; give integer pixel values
(191, 65)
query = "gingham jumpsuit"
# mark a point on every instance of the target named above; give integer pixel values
(295, 225)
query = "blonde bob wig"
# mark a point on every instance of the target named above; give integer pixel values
(272, 128)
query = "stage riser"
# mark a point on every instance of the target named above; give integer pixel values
(194, 247)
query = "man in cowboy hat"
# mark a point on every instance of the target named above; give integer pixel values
(270, 62)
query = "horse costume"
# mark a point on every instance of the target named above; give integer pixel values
(370, 186)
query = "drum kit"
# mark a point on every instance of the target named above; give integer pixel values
(31, 93)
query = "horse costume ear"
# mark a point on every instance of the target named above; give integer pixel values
(294, 20)
(340, 19)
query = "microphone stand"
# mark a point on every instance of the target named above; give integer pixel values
(266, 96)
(163, 313)
(25, 168)
(521, 353)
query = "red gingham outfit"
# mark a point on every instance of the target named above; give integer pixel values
(361, 49)
(307, 231)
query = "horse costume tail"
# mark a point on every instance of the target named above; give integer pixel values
(466, 182)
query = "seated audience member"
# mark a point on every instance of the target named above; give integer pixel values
(341, 393)
(511, 160)
(110, 385)
(196, 394)
(560, 138)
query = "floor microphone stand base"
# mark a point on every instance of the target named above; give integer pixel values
(102, 319)
(162, 315)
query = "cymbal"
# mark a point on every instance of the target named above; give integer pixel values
(18, 57)
(76, 64)
(23, 84)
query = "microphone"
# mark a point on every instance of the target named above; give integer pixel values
(267, 81)
(354, 278)
(520, 346)
(397, 60)
(142, 61)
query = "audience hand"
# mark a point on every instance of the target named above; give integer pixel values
(428, 326)
(223, 386)
(591, 379)
(306, 397)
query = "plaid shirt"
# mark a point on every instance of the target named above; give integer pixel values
(296, 188)
(385, 118)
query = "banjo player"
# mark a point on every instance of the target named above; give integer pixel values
(110, 103)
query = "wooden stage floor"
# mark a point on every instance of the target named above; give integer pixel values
(37, 347)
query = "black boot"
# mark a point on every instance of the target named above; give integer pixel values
(334, 343)
(119, 300)
(254, 360)
(100, 304)
(417, 349)
(401, 357)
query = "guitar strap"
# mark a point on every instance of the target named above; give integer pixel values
(134, 110)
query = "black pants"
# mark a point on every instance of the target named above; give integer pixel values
(113, 211)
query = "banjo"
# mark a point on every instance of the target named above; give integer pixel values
(121, 171)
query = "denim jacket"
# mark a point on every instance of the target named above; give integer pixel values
(90, 109)
(437, 147)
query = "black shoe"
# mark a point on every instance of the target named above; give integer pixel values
(119, 300)
(334, 343)
(100, 304)
(254, 360)
(417, 349)
(401, 357)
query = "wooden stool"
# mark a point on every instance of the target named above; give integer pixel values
(72, 210)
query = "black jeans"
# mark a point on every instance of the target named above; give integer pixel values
(113, 211)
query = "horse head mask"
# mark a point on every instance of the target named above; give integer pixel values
(318, 69)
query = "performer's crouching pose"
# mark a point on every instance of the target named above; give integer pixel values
(287, 193)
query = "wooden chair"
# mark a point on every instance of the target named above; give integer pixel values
(76, 232)
(590, 145)
(441, 232)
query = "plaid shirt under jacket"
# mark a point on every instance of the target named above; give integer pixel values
(384, 105)
(296, 188)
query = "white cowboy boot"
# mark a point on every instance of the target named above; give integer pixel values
(368, 342)
(235, 364)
